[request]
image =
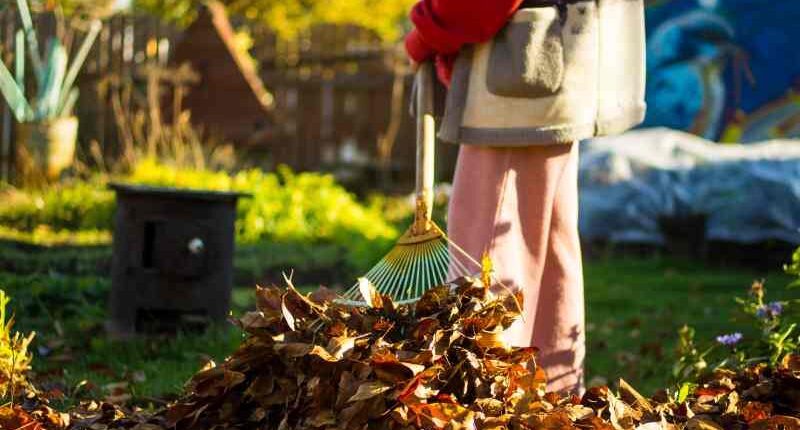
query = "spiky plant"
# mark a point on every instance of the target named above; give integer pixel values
(55, 74)
(15, 359)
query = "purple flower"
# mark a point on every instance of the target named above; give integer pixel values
(729, 339)
(770, 310)
(776, 308)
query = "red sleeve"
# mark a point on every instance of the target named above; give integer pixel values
(416, 47)
(444, 26)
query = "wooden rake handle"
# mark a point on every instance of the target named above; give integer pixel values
(426, 140)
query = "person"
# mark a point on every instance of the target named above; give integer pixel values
(526, 81)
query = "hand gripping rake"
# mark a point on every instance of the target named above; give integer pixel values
(422, 258)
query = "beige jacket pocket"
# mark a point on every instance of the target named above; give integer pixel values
(527, 56)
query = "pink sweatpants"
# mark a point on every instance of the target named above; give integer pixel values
(521, 204)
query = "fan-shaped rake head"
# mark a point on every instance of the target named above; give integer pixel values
(417, 263)
(423, 257)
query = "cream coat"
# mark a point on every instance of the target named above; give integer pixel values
(551, 76)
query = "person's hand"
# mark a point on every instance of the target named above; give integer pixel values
(414, 65)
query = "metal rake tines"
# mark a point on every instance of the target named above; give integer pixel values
(409, 270)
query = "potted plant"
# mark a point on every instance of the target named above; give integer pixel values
(48, 128)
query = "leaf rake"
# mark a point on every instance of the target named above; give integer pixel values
(423, 256)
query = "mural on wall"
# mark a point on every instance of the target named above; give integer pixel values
(727, 70)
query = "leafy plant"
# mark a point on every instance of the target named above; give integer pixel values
(43, 235)
(54, 73)
(15, 359)
(76, 206)
(793, 269)
(288, 207)
(773, 336)
(305, 209)
(691, 361)
(779, 335)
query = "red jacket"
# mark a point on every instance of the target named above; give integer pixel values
(442, 27)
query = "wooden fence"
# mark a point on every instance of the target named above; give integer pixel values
(333, 90)
(124, 44)
(332, 86)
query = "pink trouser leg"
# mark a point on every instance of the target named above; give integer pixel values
(521, 204)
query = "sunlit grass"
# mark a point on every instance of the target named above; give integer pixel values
(635, 307)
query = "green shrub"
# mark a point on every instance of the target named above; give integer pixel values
(287, 207)
(43, 235)
(15, 359)
(306, 209)
(75, 205)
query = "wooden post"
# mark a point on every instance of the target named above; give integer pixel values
(6, 124)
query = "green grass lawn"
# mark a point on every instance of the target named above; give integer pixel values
(635, 307)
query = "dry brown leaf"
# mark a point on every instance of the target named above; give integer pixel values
(778, 422)
(754, 411)
(790, 362)
(369, 390)
(339, 346)
(634, 398)
(370, 295)
(702, 423)
(287, 315)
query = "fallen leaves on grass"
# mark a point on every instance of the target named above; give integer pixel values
(311, 363)
(308, 363)
(14, 417)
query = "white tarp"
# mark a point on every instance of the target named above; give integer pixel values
(750, 193)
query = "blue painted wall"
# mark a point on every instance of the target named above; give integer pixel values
(725, 69)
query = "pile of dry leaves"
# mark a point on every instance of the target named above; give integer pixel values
(309, 363)
(440, 364)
